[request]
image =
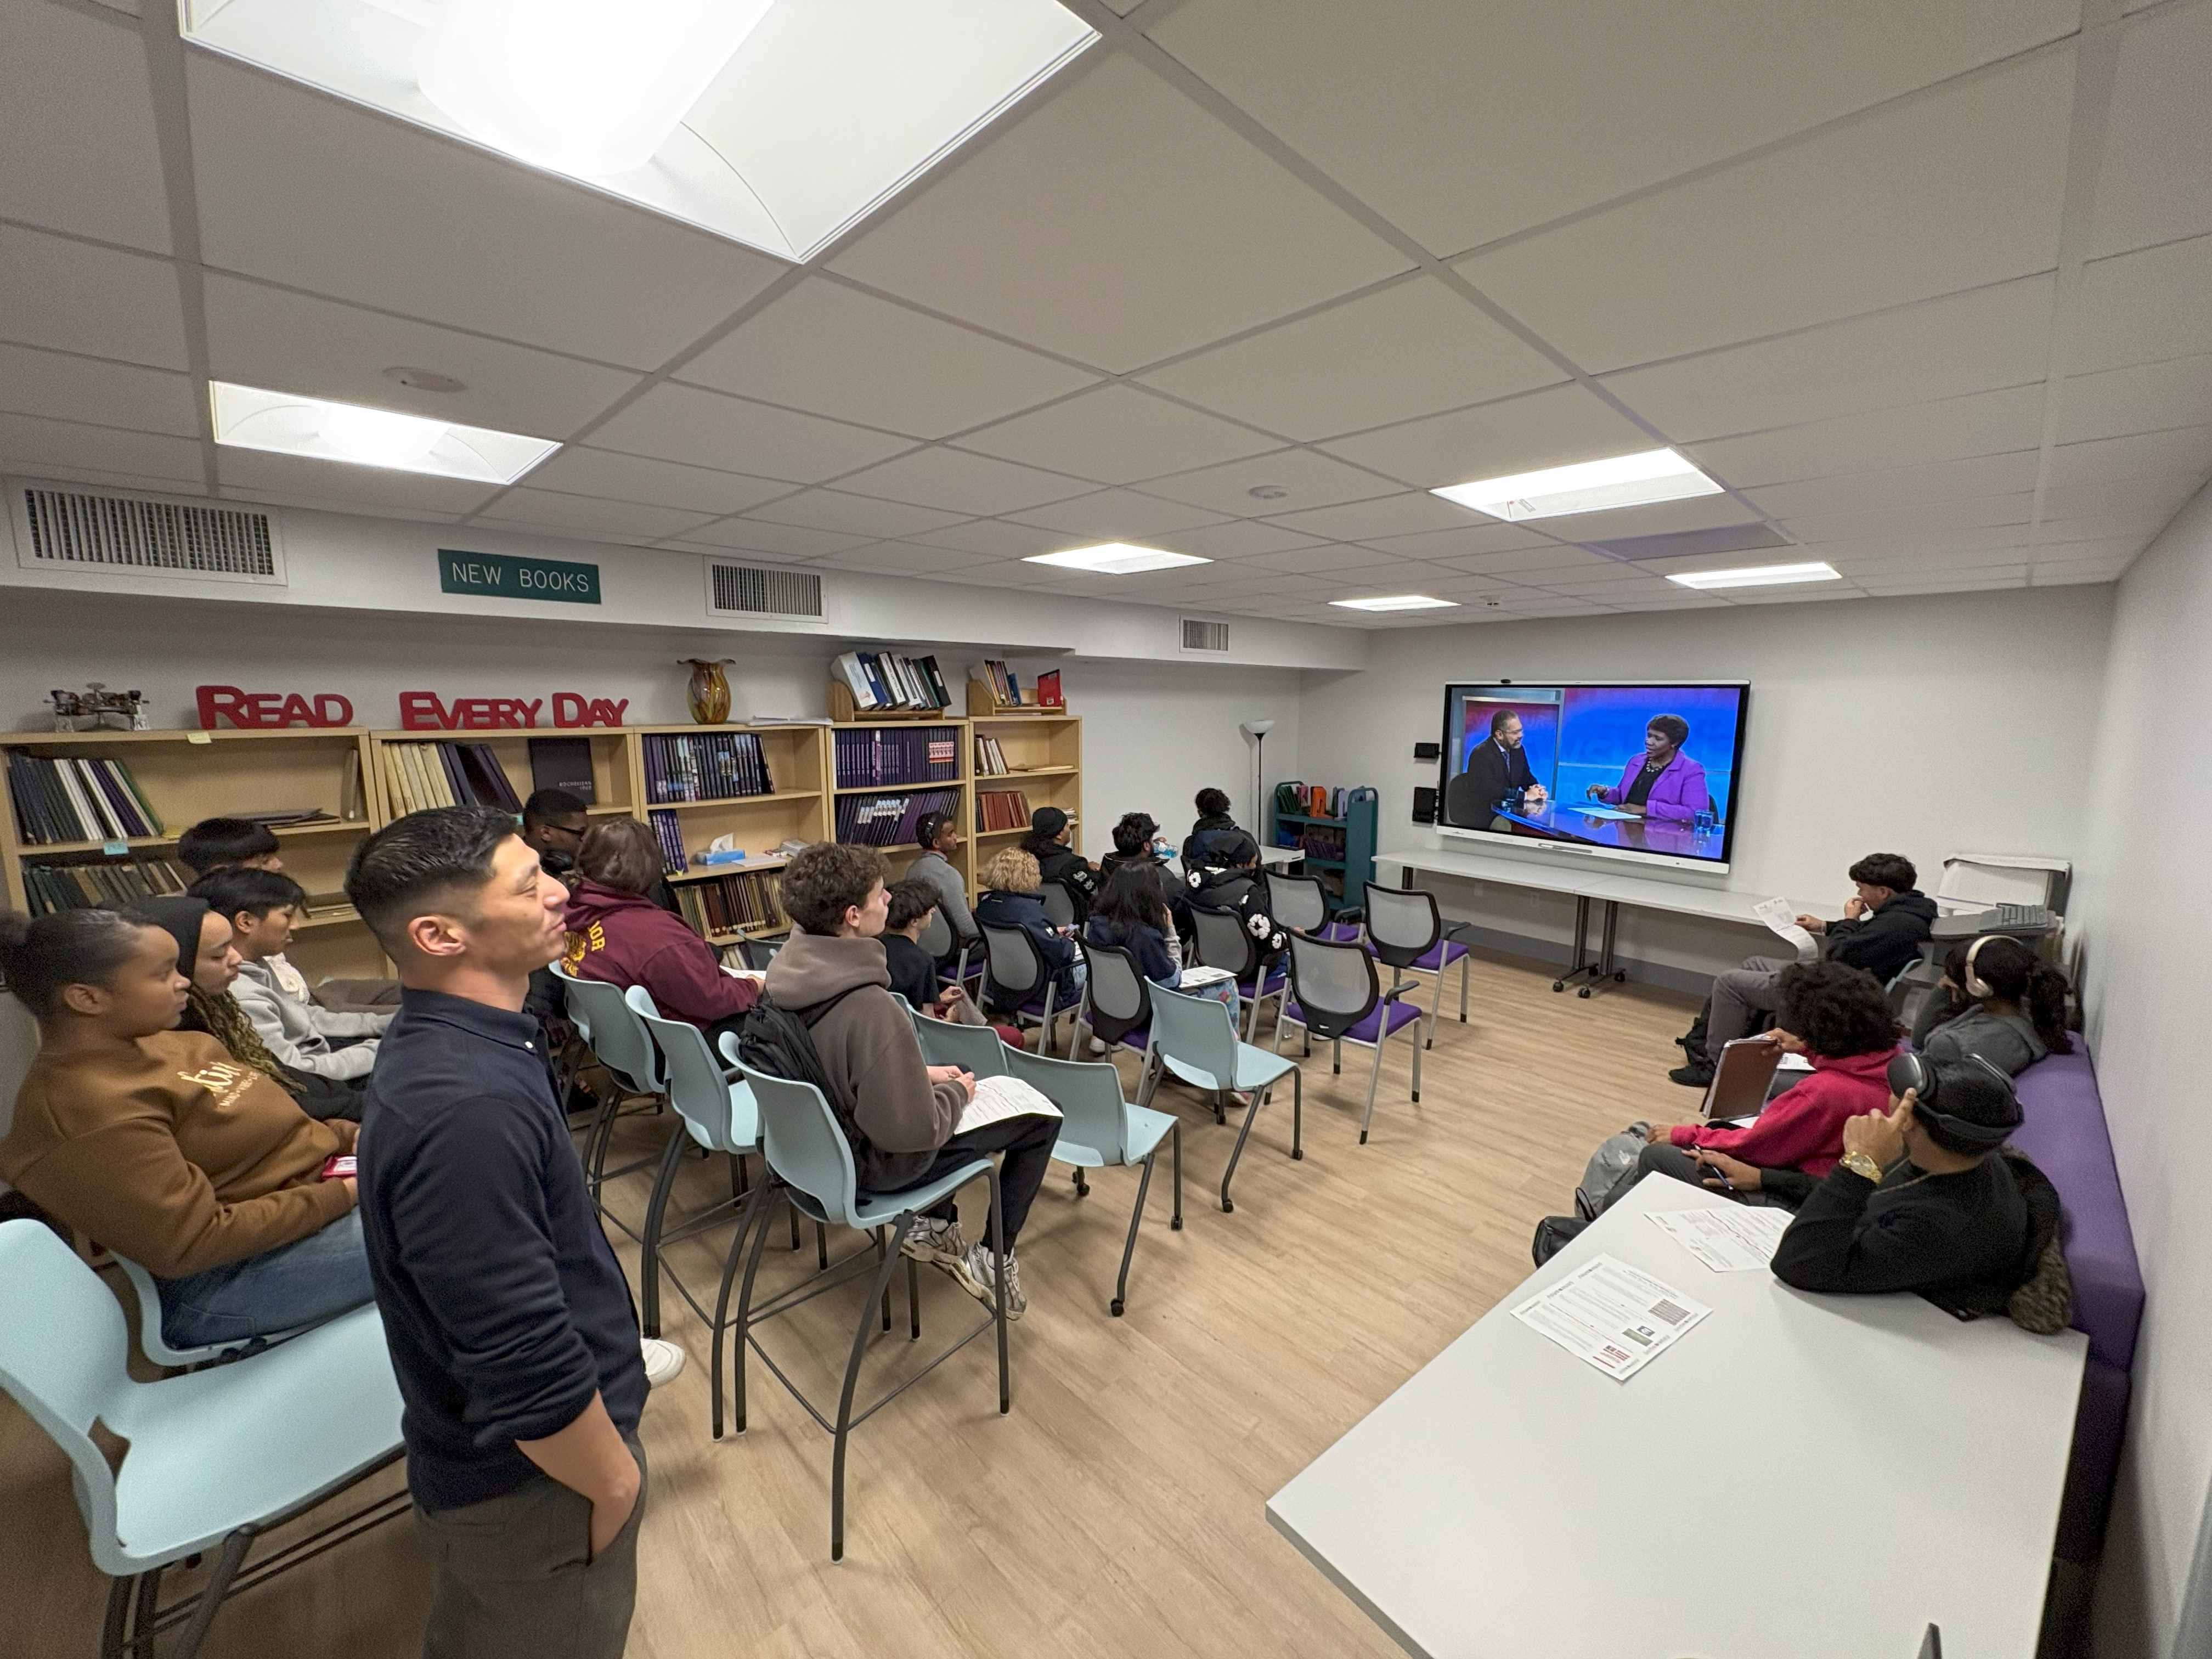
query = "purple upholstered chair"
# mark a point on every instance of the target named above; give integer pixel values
(1335, 996)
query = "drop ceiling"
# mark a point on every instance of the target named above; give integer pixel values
(1927, 289)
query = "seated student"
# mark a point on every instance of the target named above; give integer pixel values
(554, 822)
(214, 844)
(1048, 843)
(913, 970)
(1883, 926)
(2003, 1003)
(899, 1113)
(207, 957)
(1213, 820)
(159, 1146)
(260, 906)
(619, 935)
(938, 833)
(1839, 1018)
(1137, 842)
(1010, 900)
(1131, 914)
(1921, 1200)
(1231, 881)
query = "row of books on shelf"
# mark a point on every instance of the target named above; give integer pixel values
(879, 680)
(704, 766)
(896, 754)
(73, 799)
(750, 900)
(1311, 800)
(1320, 842)
(669, 832)
(990, 759)
(84, 886)
(1001, 808)
(1005, 685)
(889, 820)
(420, 776)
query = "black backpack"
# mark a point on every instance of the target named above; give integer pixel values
(778, 1040)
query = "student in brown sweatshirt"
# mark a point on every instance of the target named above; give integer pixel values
(161, 1146)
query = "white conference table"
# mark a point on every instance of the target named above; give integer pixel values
(1586, 881)
(1817, 1476)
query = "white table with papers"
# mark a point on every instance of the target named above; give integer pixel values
(1811, 1475)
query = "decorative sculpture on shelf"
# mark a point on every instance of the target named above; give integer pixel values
(97, 709)
(709, 690)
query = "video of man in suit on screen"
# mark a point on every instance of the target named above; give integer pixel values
(1645, 769)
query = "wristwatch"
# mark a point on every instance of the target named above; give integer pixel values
(1860, 1164)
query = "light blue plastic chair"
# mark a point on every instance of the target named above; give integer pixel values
(215, 1458)
(1196, 1038)
(611, 1027)
(1099, 1130)
(809, 1162)
(156, 1347)
(714, 1114)
(977, 1048)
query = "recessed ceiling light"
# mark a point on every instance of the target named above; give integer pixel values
(1115, 559)
(1759, 575)
(1397, 602)
(1656, 475)
(286, 423)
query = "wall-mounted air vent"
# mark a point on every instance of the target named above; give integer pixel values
(747, 590)
(1211, 637)
(59, 528)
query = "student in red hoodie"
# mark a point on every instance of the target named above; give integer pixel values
(618, 934)
(1839, 1018)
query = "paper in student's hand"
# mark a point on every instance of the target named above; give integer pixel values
(1781, 917)
(998, 1097)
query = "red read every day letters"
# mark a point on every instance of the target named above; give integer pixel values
(423, 711)
(265, 711)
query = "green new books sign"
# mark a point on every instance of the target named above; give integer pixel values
(497, 576)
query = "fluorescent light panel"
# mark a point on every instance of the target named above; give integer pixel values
(1397, 602)
(1757, 575)
(1115, 559)
(1655, 475)
(288, 423)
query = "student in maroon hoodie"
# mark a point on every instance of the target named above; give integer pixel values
(1839, 1018)
(618, 934)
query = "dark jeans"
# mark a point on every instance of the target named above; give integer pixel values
(1027, 1143)
(1679, 1163)
(515, 1581)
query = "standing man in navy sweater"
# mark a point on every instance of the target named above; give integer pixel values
(509, 1320)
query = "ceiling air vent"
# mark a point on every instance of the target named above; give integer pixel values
(1211, 637)
(745, 590)
(58, 528)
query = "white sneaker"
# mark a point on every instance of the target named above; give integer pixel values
(1097, 1046)
(936, 1242)
(974, 1274)
(664, 1361)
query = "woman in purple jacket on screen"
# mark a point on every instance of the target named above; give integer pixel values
(1662, 782)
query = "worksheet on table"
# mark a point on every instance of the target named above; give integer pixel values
(1734, 1240)
(1612, 1315)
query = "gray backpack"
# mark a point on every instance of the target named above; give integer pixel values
(1613, 1162)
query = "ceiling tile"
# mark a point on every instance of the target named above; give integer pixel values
(853, 515)
(1977, 341)
(1116, 434)
(1969, 514)
(704, 428)
(1013, 573)
(1414, 348)
(334, 486)
(66, 388)
(828, 347)
(2074, 576)
(27, 444)
(1331, 559)
(739, 555)
(78, 127)
(1404, 514)
(993, 539)
(901, 559)
(581, 472)
(1119, 515)
(1235, 540)
(1955, 428)
(587, 515)
(1117, 186)
(2157, 498)
(2153, 184)
(1951, 190)
(1960, 546)
(1661, 519)
(954, 480)
(1578, 102)
(313, 192)
(2143, 398)
(2146, 455)
(1903, 486)
(1998, 576)
(1300, 477)
(1539, 428)
(789, 540)
(269, 337)
(1535, 566)
(74, 297)
(1465, 541)
(2142, 307)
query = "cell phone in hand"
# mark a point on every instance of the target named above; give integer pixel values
(339, 1166)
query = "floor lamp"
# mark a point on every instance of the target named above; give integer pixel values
(1257, 731)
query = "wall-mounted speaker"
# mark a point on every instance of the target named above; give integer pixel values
(1424, 806)
(1428, 751)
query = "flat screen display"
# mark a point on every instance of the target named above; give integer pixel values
(1648, 772)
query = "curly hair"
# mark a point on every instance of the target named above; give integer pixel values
(825, 880)
(1011, 871)
(1834, 1009)
(1891, 870)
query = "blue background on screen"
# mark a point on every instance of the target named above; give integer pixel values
(1603, 726)
(1539, 729)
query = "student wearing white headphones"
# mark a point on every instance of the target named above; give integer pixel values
(2005, 1004)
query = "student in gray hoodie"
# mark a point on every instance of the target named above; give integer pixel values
(2004, 1004)
(900, 1112)
(939, 836)
(260, 906)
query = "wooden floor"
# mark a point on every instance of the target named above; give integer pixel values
(1119, 1510)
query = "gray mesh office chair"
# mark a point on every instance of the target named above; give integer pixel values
(1117, 1001)
(1406, 929)
(937, 939)
(1059, 904)
(1335, 996)
(1297, 902)
(1223, 941)
(1019, 980)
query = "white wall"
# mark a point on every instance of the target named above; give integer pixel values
(1859, 737)
(2145, 913)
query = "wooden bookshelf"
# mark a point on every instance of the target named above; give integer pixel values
(796, 808)
(1044, 753)
(845, 709)
(613, 771)
(898, 857)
